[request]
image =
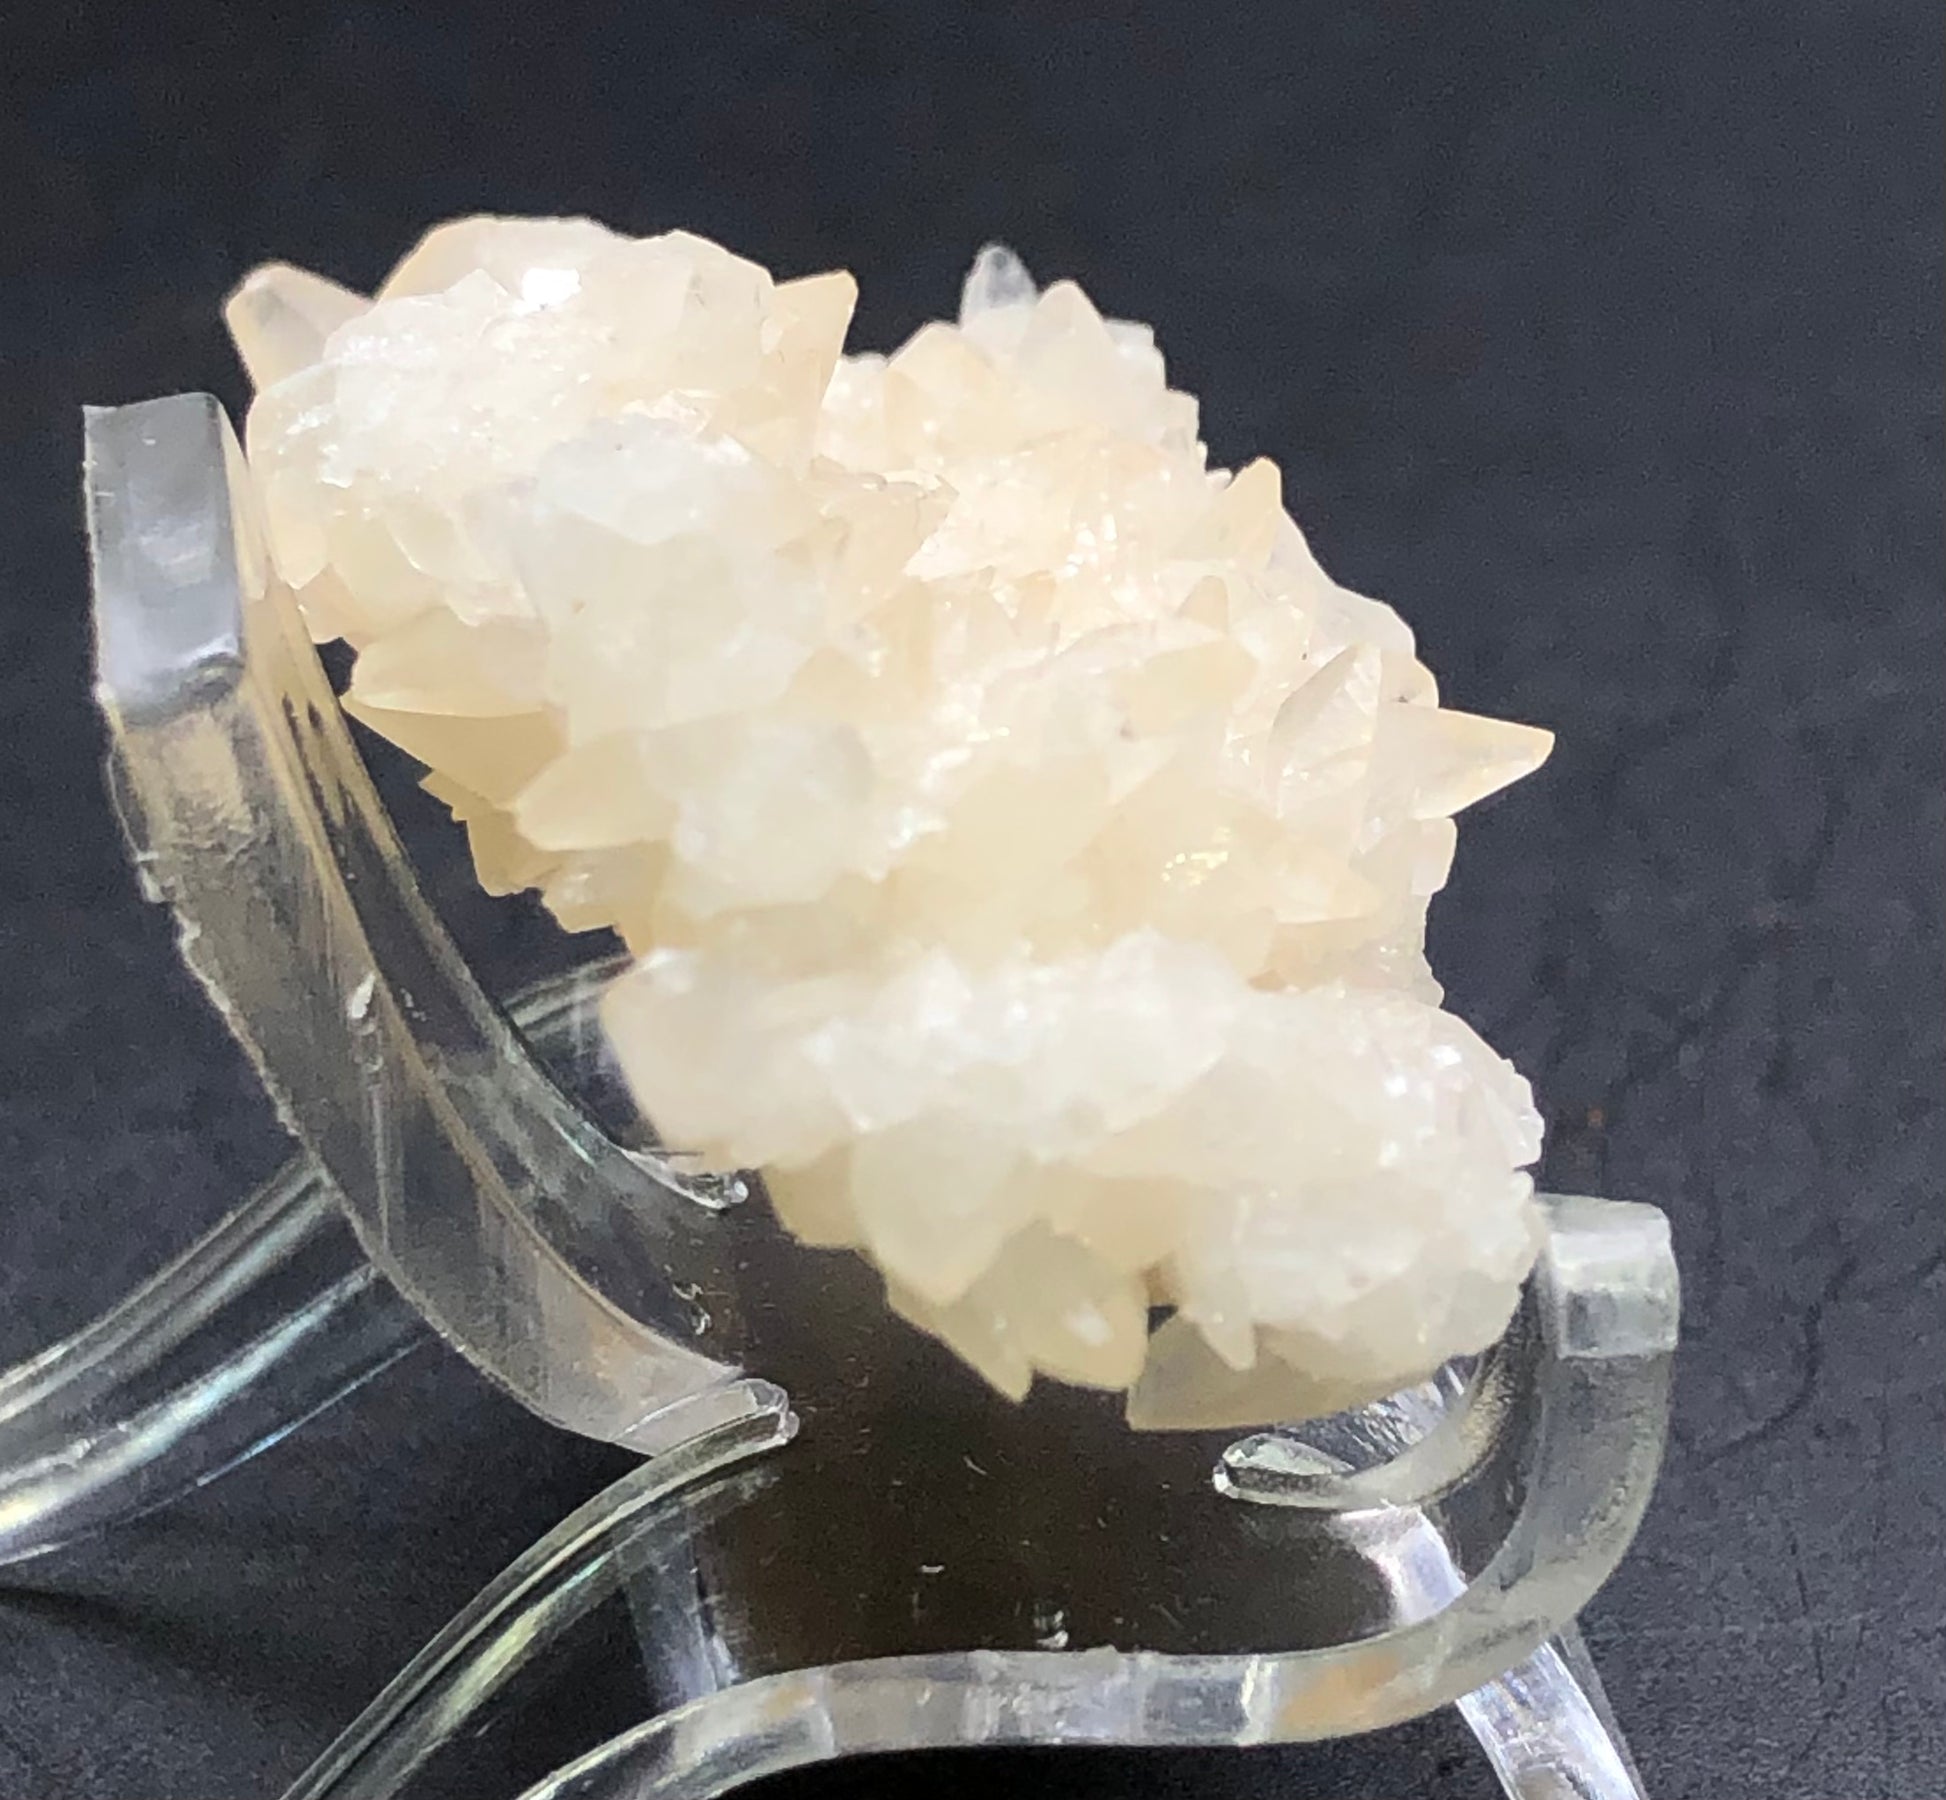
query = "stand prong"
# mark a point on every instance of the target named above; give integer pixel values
(266, 1321)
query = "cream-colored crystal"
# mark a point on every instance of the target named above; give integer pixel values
(1024, 844)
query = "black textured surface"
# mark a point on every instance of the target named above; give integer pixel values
(1604, 342)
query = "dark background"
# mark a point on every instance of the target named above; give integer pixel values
(1603, 341)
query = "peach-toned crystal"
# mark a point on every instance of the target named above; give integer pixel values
(1024, 844)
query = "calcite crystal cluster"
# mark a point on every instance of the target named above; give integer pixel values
(1024, 845)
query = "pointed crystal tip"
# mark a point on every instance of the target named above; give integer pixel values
(998, 278)
(279, 317)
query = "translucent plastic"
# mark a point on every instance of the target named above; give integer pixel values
(921, 1562)
(474, 1186)
(271, 1317)
(274, 1315)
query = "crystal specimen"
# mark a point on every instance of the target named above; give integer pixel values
(1024, 845)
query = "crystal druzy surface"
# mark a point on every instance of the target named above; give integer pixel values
(1024, 845)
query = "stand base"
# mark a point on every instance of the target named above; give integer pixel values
(276, 1314)
(621, 1602)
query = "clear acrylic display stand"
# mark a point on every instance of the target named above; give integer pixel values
(840, 1540)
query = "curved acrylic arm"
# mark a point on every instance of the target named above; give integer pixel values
(488, 1198)
(1546, 1737)
(526, 1610)
(1547, 1728)
(271, 1317)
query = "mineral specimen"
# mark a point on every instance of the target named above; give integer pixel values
(1024, 845)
